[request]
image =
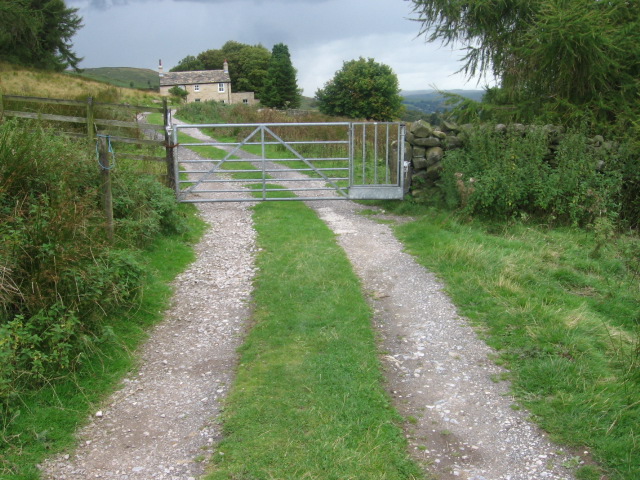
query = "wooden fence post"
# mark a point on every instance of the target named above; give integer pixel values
(171, 175)
(107, 198)
(90, 116)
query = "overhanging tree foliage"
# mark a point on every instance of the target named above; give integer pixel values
(280, 86)
(362, 89)
(37, 33)
(558, 57)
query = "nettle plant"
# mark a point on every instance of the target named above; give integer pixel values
(59, 276)
(513, 173)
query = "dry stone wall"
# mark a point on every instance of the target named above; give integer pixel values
(424, 150)
(426, 145)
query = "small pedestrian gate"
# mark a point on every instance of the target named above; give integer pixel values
(289, 161)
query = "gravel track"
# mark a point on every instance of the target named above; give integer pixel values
(162, 423)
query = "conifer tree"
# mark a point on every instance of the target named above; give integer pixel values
(562, 59)
(280, 86)
(37, 33)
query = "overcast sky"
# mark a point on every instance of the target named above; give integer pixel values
(320, 34)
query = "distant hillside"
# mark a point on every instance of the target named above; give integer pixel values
(308, 103)
(431, 101)
(30, 82)
(141, 78)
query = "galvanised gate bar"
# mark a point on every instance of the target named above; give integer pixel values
(289, 161)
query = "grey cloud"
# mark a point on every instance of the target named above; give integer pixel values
(256, 1)
(105, 4)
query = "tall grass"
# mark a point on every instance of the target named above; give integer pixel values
(44, 419)
(60, 277)
(18, 80)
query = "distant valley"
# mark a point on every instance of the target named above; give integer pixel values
(431, 101)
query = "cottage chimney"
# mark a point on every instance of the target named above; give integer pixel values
(160, 71)
(225, 66)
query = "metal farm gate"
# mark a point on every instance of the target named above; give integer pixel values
(289, 161)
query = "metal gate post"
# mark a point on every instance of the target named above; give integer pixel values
(351, 153)
(168, 149)
(402, 168)
(375, 153)
(364, 153)
(264, 164)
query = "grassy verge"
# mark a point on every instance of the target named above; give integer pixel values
(46, 421)
(562, 307)
(308, 401)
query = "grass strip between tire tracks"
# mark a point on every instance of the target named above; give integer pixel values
(308, 400)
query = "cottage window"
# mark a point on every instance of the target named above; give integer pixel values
(196, 88)
(197, 100)
(245, 100)
(221, 87)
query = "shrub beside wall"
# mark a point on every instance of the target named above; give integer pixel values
(502, 171)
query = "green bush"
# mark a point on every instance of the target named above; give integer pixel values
(179, 93)
(49, 220)
(37, 346)
(59, 276)
(502, 175)
(143, 208)
(579, 189)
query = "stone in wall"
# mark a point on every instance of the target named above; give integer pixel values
(432, 174)
(427, 142)
(452, 142)
(434, 155)
(418, 151)
(421, 129)
(420, 163)
(450, 128)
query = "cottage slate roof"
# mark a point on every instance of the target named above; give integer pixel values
(190, 78)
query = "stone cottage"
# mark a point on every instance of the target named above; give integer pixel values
(204, 85)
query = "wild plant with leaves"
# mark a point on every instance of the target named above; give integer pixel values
(512, 173)
(59, 276)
